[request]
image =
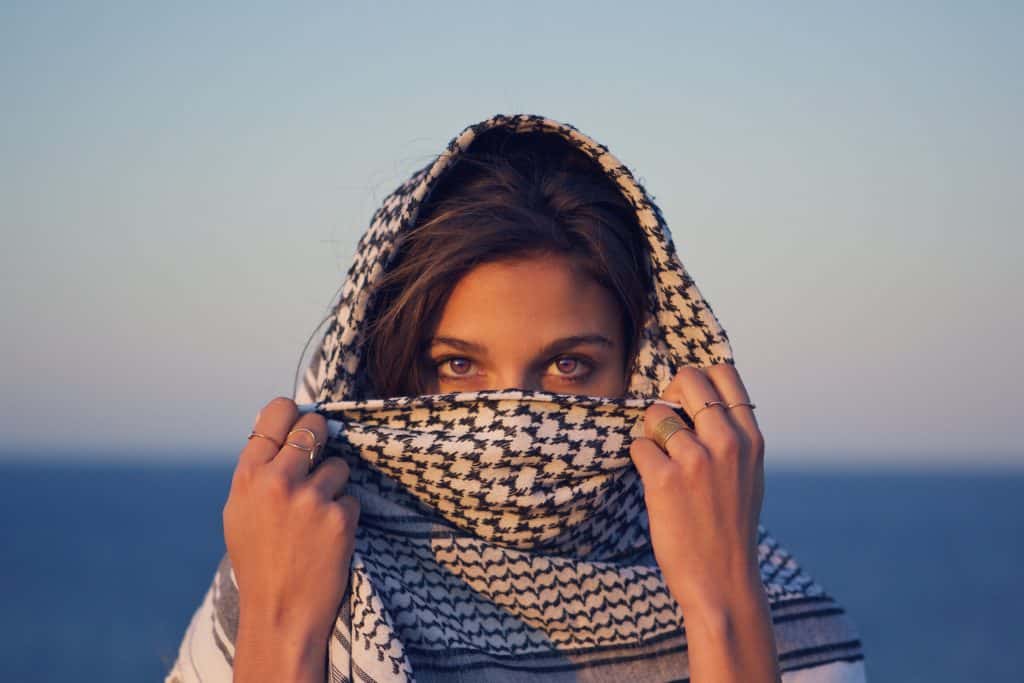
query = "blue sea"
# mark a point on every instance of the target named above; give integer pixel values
(104, 563)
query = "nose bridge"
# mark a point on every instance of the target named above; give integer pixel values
(513, 376)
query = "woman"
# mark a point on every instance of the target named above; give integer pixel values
(505, 497)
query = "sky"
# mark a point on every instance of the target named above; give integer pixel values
(182, 186)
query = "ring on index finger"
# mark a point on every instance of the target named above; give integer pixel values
(264, 436)
(664, 430)
(312, 450)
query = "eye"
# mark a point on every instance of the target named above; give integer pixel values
(566, 365)
(454, 367)
(571, 368)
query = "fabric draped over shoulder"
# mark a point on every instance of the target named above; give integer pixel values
(503, 535)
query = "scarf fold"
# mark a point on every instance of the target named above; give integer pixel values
(503, 535)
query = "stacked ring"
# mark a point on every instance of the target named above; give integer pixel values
(707, 404)
(312, 450)
(664, 430)
(264, 436)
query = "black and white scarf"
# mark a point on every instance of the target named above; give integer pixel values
(503, 535)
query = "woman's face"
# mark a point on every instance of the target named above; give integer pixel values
(532, 323)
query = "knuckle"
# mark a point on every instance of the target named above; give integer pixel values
(668, 479)
(307, 498)
(339, 518)
(276, 486)
(692, 467)
(727, 440)
(675, 477)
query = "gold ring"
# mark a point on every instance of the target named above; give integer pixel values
(311, 450)
(741, 403)
(664, 430)
(707, 404)
(264, 436)
(299, 445)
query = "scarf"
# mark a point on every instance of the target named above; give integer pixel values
(503, 535)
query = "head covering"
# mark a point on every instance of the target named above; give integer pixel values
(503, 534)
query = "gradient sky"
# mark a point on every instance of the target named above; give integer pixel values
(182, 187)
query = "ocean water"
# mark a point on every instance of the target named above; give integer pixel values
(103, 565)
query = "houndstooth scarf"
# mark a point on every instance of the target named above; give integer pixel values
(503, 535)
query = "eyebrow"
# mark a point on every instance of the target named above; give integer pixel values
(552, 348)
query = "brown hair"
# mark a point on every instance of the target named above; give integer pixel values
(508, 196)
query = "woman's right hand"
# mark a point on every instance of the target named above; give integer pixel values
(289, 535)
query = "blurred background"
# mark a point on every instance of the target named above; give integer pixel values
(182, 187)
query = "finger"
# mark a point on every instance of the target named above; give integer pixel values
(330, 477)
(648, 459)
(727, 382)
(679, 443)
(294, 458)
(660, 473)
(674, 391)
(273, 421)
(350, 507)
(712, 423)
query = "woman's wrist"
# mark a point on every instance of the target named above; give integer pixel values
(727, 590)
(265, 650)
(718, 613)
(730, 636)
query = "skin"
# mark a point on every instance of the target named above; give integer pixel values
(531, 324)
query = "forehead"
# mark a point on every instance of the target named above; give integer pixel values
(537, 296)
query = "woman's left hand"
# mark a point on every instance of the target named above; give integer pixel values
(704, 492)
